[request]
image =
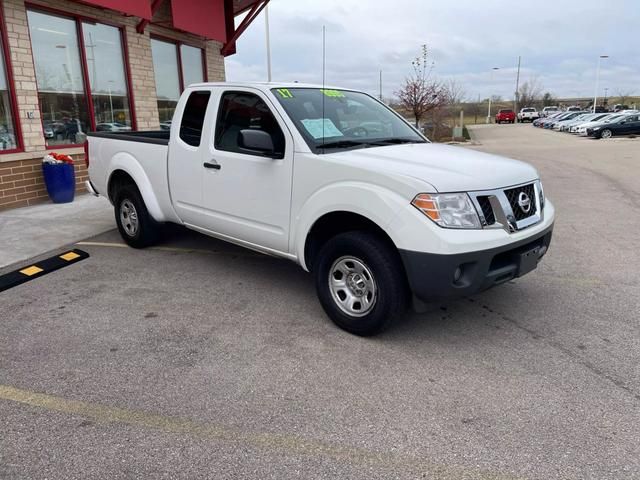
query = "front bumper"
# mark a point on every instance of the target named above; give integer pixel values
(433, 276)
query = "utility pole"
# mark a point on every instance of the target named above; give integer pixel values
(595, 96)
(266, 25)
(491, 81)
(515, 97)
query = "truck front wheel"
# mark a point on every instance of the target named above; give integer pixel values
(361, 283)
(137, 228)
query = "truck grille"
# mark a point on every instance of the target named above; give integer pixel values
(487, 210)
(513, 194)
(500, 208)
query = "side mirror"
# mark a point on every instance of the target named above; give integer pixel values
(256, 141)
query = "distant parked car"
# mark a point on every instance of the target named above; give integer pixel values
(505, 115)
(540, 122)
(165, 125)
(566, 116)
(585, 117)
(627, 125)
(112, 127)
(574, 108)
(546, 111)
(619, 107)
(48, 131)
(528, 114)
(580, 127)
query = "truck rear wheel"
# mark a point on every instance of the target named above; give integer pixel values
(137, 228)
(361, 283)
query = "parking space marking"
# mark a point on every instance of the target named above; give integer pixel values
(290, 444)
(38, 269)
(175, 249)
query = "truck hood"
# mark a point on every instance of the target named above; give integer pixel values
(447, 168)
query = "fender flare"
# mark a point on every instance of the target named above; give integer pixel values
(375, 203)
(127, 163)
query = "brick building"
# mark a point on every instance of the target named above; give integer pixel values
(69, 67)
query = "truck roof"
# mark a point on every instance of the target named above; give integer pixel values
(267, 85)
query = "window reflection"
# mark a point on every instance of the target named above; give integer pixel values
(192, 67)
(107, 79)
(8, 140)
(61, 93)
(165, 66)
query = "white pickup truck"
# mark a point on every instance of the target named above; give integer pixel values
(335, 181)
(528, 114)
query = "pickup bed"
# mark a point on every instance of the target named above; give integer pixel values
(506, 116)
(335, 181)
(528, 114)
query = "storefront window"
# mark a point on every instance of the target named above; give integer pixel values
(192, 68)
(8, 137)
(165, 66)
(63, 102)
(66, 97)
(173, 75)
(107, 78)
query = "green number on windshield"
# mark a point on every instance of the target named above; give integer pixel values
(285, 93)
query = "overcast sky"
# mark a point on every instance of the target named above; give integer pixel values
(559, 42)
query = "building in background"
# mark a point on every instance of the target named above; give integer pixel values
(70, 67)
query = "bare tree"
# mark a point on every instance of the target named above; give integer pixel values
(455, 92)
(530, 93)
(623, 95)
(421, 93)
(548, 100)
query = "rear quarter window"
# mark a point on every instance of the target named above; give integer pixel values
(193, 117)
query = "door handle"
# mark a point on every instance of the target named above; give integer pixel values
(215, 166)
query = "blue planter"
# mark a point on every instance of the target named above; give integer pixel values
(60, 180)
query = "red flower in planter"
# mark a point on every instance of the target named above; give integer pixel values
(54, 157)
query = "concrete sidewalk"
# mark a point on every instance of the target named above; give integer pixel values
(30, 231)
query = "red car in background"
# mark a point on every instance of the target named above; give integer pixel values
(505, 115)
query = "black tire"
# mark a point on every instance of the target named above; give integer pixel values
(391, 297)
(604, 135)
(147, 229)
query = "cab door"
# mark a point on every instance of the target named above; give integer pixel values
(188, 152)
(631, 125)
(246, 195)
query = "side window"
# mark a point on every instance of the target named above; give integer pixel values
(240, 111)
(193, 118)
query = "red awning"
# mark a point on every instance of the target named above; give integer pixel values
(136, 8)
(202, 17)
(206, 18)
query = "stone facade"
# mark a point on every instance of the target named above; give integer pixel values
(21, 182)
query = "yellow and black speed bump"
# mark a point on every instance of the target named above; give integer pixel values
(38, 269)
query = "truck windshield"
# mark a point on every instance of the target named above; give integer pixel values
(331, 120)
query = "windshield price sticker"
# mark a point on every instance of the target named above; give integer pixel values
(321, 128)
(285, 93)
(333, 93)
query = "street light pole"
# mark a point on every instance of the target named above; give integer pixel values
(595, 96)
(266, 25)
(489, 110)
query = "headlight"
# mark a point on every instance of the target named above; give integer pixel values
(449, 210)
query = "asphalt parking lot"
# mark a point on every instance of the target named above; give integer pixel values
(196, 359)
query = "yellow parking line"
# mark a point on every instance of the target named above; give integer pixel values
(289, 443)
(172, 249)
(103, 244)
